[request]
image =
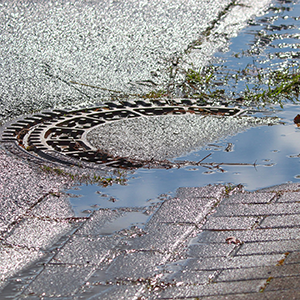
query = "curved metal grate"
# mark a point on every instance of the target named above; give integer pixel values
(59, 135)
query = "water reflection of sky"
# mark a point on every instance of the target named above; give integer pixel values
(269, 146)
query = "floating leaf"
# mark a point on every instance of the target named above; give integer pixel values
(297, 120)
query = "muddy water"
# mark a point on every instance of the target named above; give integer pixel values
(257, 158)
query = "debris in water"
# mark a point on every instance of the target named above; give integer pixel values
(297, 120)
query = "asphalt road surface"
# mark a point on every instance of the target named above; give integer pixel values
(58, 53)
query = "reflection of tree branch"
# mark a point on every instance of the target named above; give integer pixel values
(167, 164)
(119, 93)
(204, 158)
(47, 69)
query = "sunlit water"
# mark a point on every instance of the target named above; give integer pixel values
(273, 151)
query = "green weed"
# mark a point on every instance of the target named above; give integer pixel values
(155, 94)
(118, 177)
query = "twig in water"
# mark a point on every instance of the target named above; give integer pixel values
(203, 159)
(254, 165)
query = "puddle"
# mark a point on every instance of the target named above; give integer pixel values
(271, 152)
(273, 149)
(124, 222)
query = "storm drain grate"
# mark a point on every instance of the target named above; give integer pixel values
(59, 135)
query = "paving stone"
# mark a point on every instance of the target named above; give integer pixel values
(268, 247)
(281, 221)
(209, 250)
(287, 187)
(13, 259)
(136, 265)
(293, 258)
(270, 295)
(85, 250)
(256, 235)
(258, 209)
(22, 186)
(9, 212)
(100, 218)
(221, 288)
(119, 292)
(231, 297)
(161, 237)
(59, 281)
(183, 210)
(54, 207)
(172, 222)
(286, 283)
(37, 234)
(217, 263)
(259, 272)
(213, 191)
(190, 277)
(230, 222)
(91, 290)
(130, 222)
(289, 197)
(249, 198)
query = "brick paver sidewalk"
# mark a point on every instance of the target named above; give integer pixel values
(202, 244)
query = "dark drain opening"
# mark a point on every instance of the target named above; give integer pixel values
(59, 135)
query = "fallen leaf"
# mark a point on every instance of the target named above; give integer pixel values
(297, 120)
(233, 240)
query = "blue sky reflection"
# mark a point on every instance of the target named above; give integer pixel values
(269, 146)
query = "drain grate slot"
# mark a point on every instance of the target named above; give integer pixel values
(59, 135)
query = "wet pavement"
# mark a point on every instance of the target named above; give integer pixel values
(58, 54)
(212, 242)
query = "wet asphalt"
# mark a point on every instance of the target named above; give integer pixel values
(211, 242)
(58, 54)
